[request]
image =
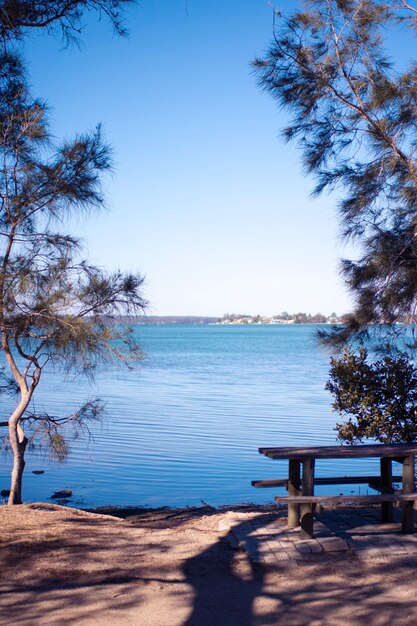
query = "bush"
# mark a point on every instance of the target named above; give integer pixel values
(379, 398)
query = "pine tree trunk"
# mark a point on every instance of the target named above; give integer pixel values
(15, 496)
(18, 443)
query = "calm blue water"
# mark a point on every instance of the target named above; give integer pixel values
(186, 425)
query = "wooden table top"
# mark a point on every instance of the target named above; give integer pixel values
(341, 452)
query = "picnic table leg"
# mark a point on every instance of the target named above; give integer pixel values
(408, 487)
(386, 481)
(307, 509)
(293, 490)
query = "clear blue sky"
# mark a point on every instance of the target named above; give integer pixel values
(206, 200)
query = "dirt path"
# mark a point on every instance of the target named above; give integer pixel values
(171, 568)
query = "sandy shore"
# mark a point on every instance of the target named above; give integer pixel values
(170, 568)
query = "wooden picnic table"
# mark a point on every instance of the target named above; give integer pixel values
(301, 498)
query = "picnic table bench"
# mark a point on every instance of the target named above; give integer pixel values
(301, 481)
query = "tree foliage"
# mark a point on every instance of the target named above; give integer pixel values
(17, 17)
(379, 398)
(353, 113)
(55, 307)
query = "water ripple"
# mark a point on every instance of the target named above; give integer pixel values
(187, 423)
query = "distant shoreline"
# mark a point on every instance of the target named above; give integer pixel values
(164, 319)
(226, 321)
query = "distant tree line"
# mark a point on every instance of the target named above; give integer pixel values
(285, 317)
(165, 319)
(318, 318)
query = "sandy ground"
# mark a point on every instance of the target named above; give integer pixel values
(171, 568)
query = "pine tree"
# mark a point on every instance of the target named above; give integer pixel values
(55, 307)
(353, 113)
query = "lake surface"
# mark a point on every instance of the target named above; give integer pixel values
(186, 424)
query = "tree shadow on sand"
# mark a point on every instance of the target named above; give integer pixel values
(117, 572)
(329, 589)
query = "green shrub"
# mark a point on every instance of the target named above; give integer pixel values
(378, 398)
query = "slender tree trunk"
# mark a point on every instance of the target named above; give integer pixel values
(17, 471)
(18, 443)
